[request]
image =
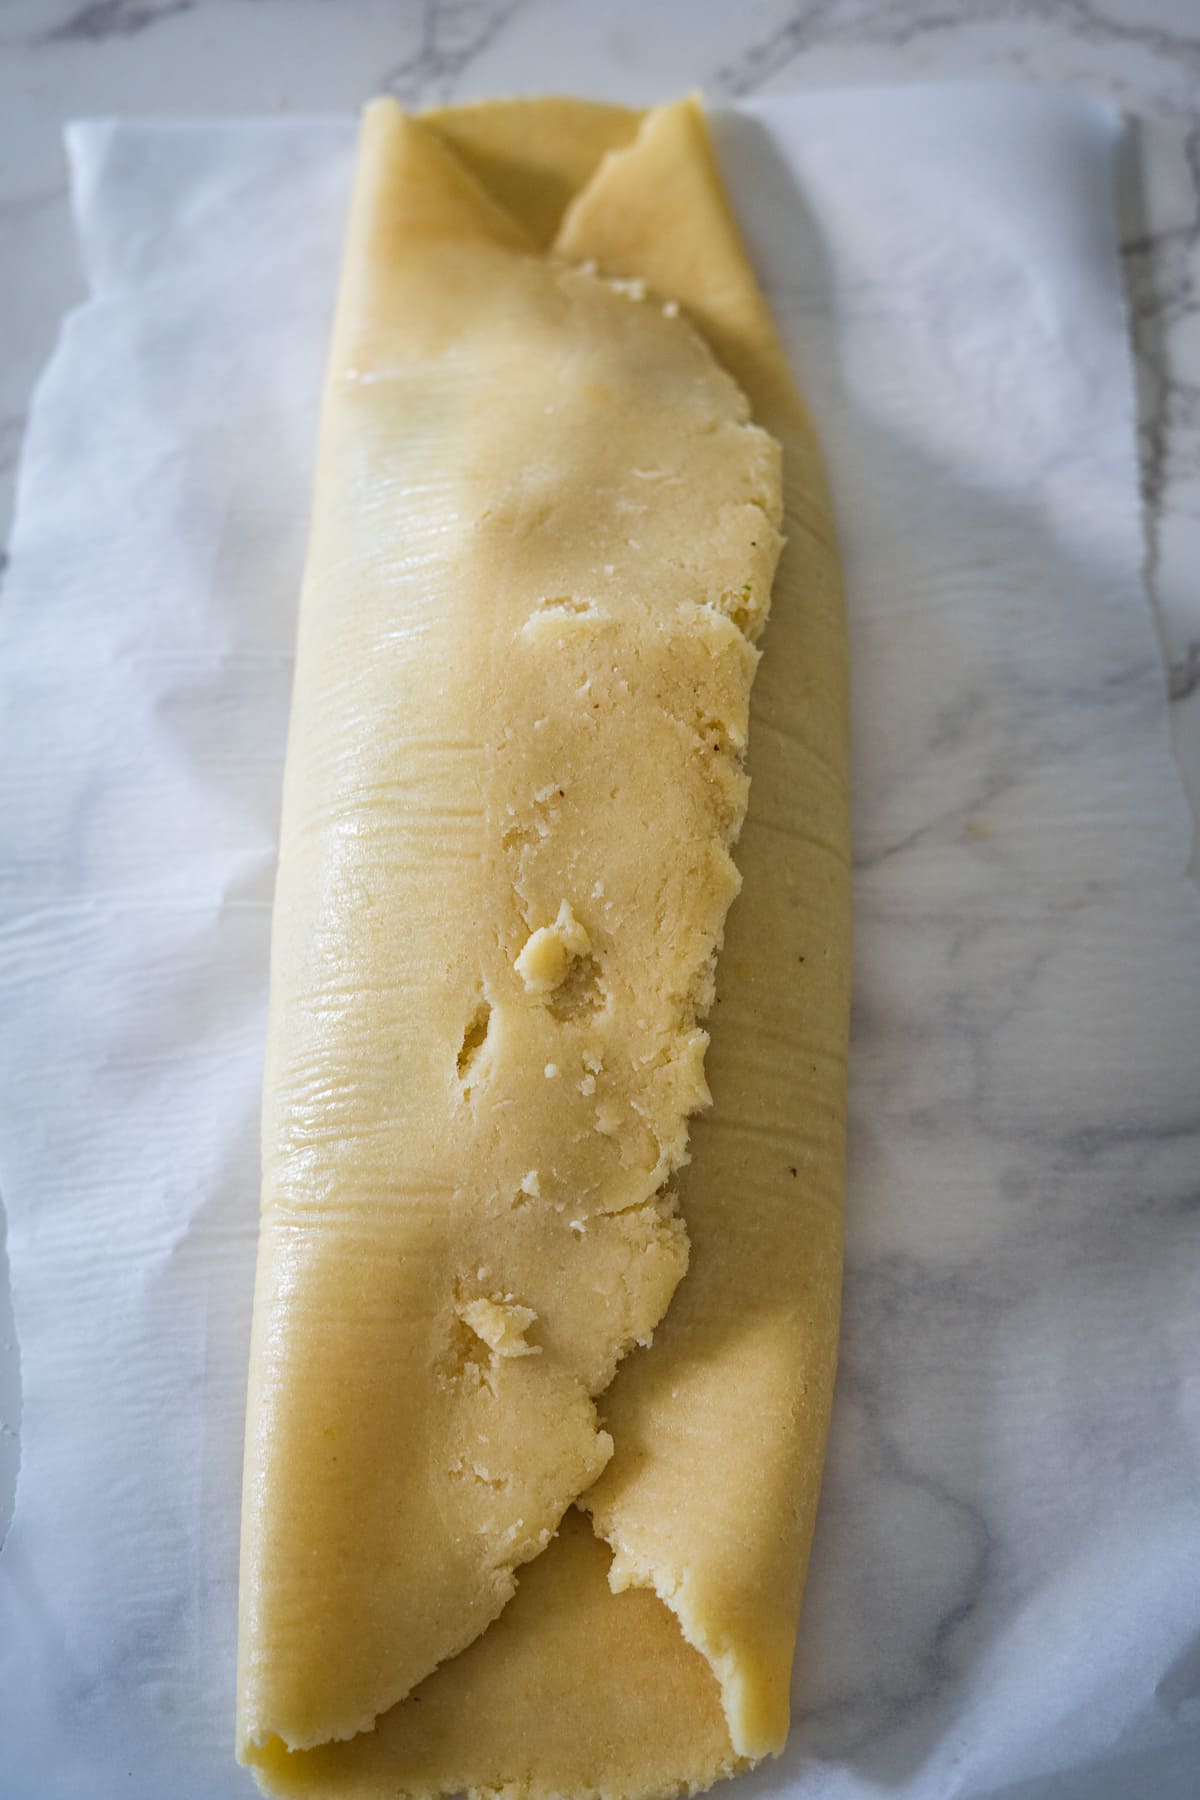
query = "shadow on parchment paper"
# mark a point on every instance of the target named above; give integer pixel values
(10, 1388)
(914, 1580)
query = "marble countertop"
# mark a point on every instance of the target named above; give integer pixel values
(61, 59)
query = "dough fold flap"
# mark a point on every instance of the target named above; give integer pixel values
(546, 527)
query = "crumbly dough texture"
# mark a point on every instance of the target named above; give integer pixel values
(546, 529)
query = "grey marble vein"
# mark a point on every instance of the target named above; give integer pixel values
(454, 34)
(1184, 674)
(817, 23)
(98, 20)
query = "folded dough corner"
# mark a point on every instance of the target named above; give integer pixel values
(540, 1379)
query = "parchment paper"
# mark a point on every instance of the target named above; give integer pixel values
(1005, 1591)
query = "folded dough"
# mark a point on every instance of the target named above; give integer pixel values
(545, 531)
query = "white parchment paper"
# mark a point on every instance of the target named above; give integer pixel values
(1005, 1591)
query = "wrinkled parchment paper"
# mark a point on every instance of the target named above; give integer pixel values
(1005, 1591)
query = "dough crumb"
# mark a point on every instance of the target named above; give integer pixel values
(550, 950)
(501, 1325)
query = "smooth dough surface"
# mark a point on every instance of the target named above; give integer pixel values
(544, 537)
(573, 1691)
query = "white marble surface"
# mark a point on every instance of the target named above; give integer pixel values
(60, 59)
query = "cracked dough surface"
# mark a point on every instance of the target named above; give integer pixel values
(546, 527)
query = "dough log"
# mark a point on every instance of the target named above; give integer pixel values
(540, 1379)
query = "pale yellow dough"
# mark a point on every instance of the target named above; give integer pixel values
(546, 528)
